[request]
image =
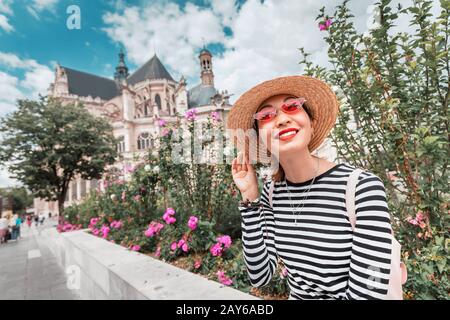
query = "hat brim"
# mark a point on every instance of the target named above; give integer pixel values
(321, 101)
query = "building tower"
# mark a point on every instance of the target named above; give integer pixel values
(207, 74)
(121, 73)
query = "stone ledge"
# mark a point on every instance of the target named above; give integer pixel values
(110, 271)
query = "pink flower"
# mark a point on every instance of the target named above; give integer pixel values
(161, 122)
(225, 240)
(183, 245)
(192, 223)
(135, 247)
(95, 232)
(124, 196)
(422, 225)
(223, 278)
(216, 250)
(215, 116)
(170, 211)
(419, 216)
(116, 224)
(105, 230)
(191, 114)
(173, 246)
(93, 221)
(197, 264)
(325, 25)
(169, 219)
(137, 198)
(149, 233)
(412, 221)
(158, 252)
(153, 229)
(284, 272)
(168, 216)
(128, 168)
(165, 132)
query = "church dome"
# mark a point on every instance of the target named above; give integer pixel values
(200, 95)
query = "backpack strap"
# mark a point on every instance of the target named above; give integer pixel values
(272, 185)
(350, 196)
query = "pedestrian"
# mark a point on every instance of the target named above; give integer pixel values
(36, 220)
(4, 224)
(29, 221)
(301, 219)
(41, 218)
(12, 226)
(17, 226)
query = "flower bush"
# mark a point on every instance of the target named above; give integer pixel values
(394, 93)
(182, 213)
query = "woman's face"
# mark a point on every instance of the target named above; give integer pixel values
(289, 130)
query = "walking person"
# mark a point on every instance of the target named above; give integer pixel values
(16, 228)
(13, 227)
(4, 225)
(36, 220)
(301, 219)
(29, 221)
(41, 218)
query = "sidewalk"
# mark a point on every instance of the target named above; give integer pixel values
(29, 271)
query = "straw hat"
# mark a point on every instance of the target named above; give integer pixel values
(321, 101)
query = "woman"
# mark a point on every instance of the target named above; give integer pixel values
(305, 223)
(29, 221)
(4, 222)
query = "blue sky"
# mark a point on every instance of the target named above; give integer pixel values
(251, 40)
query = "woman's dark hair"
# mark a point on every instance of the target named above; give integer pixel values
(279, 175)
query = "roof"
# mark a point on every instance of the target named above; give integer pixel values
(86, 84)
(152, 69)
(200, 95)
(204, 50)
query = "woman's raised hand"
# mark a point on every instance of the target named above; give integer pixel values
(244, 177)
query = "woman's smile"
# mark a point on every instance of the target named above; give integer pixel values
(287, 134)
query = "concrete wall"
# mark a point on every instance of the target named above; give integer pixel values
(109, 271)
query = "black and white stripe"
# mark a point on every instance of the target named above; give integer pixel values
(323, 257)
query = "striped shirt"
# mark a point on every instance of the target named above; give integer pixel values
(324, 258)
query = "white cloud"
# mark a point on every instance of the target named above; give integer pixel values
(6, 181)
(35, 81)
(263, 45)
(41, 5)
(5, 9)
(5, 6)
(9, 93)
(4, 24)
(37, 6)
(174, 33)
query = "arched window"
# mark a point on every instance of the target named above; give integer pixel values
(121, 144)
(144, 141)
(158, 101)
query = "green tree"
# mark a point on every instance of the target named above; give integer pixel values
(394, 120)
(48, 144)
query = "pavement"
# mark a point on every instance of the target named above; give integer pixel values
(29, 271)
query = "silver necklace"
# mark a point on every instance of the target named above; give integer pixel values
(294, 211)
